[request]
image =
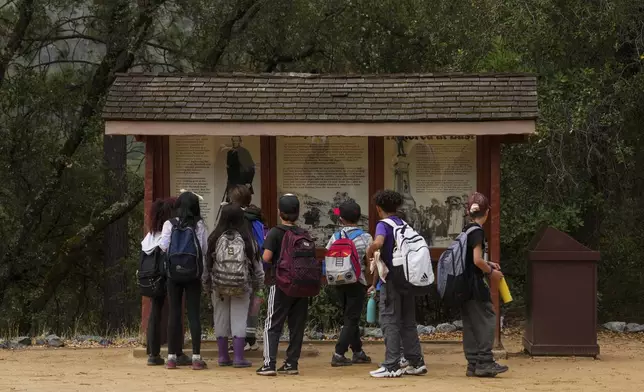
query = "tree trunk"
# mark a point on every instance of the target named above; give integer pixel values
(115, 239)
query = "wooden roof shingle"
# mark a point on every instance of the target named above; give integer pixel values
(322, 98)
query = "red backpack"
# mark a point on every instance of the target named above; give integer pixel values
(298, 272)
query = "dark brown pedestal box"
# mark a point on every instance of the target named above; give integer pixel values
(561, 296)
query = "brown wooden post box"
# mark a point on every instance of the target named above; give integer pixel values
(561, 296)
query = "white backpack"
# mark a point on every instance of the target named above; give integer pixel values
(411, 261)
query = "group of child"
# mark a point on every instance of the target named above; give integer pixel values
(236, 260)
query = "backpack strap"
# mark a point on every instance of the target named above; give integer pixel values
(390, 222)
(354, 233)
(473, 229)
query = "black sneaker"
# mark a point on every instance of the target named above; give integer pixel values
(266, 371)
(289, 369)
(491, 369)
(416, 369)
(184, 360)
(155, 360)
(340, 360)
(360, 358)
(471, 368)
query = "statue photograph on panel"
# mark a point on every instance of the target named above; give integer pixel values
(434, 175)
(240, 167)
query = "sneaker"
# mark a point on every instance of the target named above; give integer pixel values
(183, 360)
(289, 369)
(155, 360)
(171, 364)
(403, 362)
(471, 368)
(250, 347)
(199, 364)
(360, 358)
(417, 369)
(383, 372)
(491, 369)
(266, 371)
(340, 360)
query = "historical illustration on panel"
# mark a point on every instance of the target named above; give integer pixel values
(324, 172)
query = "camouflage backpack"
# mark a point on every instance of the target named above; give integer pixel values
(230, 271)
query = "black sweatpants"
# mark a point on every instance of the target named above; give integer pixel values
(479, 323)
(281, 308)
(193, 303)
(154, 325)
(351, 298)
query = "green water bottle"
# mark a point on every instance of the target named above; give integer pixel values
(371, 309)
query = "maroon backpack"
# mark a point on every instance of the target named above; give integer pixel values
(298, 272)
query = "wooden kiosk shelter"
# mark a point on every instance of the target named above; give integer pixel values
(433, 137)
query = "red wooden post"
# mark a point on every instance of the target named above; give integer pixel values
(495, 226)
(156, 185)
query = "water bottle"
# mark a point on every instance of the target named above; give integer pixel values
(371, 309)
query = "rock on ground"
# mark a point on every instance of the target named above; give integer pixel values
(22, 341)
(425, 329)
(445, 328)
(373, 333)
(458, 324)
(54, 341)
(615, 326)
(632, 327)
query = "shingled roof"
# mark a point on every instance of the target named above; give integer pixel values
(322, 98)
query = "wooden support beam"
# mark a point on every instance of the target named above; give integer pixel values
(157, 185)
(495, 226)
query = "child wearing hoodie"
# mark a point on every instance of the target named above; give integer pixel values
(185, 282)
(160, 211)
(242, 195)
(233, 271)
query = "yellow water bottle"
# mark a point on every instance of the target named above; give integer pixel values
(504, 291)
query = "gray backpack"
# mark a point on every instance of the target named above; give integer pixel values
(230, 270)
(453, 284)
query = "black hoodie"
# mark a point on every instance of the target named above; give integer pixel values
(253, 213)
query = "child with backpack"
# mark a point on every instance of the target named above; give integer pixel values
(345, 269)
(185, 241)
(242, 195)
(233, 271)
(462, 272)
(397, 298)
(152, 279)
(291, 251)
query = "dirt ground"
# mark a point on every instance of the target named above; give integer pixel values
(620, 368)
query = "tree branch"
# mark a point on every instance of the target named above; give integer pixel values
(277, 59)
(119, 58)
(68, 252)
(25, 15)
(225, 34)
(51, 39)
(62, 61)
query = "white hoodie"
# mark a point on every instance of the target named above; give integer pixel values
(150, 242)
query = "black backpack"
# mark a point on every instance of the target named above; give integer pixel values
(151, 274)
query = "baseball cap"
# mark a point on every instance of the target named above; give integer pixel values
(289, 204)
(349, 211)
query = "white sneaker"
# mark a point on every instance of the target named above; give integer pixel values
(254, 347)
(404, 363)
(383, 372)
